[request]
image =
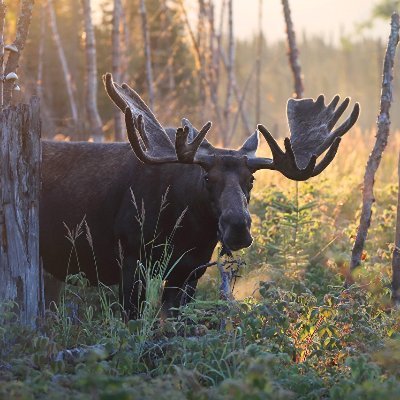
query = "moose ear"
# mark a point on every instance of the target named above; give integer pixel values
(250, 146)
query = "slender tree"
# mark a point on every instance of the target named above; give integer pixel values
(147, 52)
(16, 48)
(39, 80)
(167, 26)
(116, 64)
(63, 61)
(293, 52)
(259, 56)
(2, 22)
(95, 124)
(231, 73)
(396, 250)
(383, 126)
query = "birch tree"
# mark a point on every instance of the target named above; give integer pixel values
(116, 64)
(93, 116)
(147, 53)
(64, 63)
(230, 71)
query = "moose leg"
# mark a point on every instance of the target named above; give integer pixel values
(131, 290)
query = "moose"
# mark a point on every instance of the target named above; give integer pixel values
(100, 181)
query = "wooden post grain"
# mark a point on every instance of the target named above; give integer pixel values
(20, 156)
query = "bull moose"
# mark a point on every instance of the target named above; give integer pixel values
(97, 180)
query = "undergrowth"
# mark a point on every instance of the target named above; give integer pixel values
(294, 332)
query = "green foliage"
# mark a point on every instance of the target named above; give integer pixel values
(385, 8)
(301, 336)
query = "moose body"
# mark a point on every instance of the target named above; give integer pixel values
(96, 182)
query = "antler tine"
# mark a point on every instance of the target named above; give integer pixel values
(133, 136)
(201, 135)
(186, 152)
(134, 128)
(348, 124)
(338, 113)
(272, 143)
(329, 156)
(284, 162)
(142, 131)
(181, 146)
(332, 105)
(341, 130)
(115, 97)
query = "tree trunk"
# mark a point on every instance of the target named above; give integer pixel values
(147, 53)
(24, 21)
(39, 81)
(95, 124)
(2, 22)
(167, 23)
(293, 52)
(383, 124)
(230, 71)
(20, 155)
(238, 95)
(116, 66)
(64, 64)
(396, 251)
(259, 56)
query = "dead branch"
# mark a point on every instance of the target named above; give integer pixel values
(258, 62)
(396, 250)
(383, 125)
(24, 21)
(293, 52)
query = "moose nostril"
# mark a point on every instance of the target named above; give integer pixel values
(235, 222)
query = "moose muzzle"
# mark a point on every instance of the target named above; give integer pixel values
(234, 230)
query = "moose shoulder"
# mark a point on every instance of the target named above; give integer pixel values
(210, 186)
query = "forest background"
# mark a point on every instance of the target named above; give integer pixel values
(178, 64)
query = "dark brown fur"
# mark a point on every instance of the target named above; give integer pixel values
(94, 181)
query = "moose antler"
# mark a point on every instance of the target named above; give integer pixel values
(148, 138)
(310, 124)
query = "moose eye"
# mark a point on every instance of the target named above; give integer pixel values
(206, 178)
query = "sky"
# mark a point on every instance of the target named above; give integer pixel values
(329, 19)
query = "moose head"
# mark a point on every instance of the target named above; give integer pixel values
(227, 177)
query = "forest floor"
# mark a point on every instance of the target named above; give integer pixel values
(293, 331)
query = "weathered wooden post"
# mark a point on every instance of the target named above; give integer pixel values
(21, 277)
(20, 156)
